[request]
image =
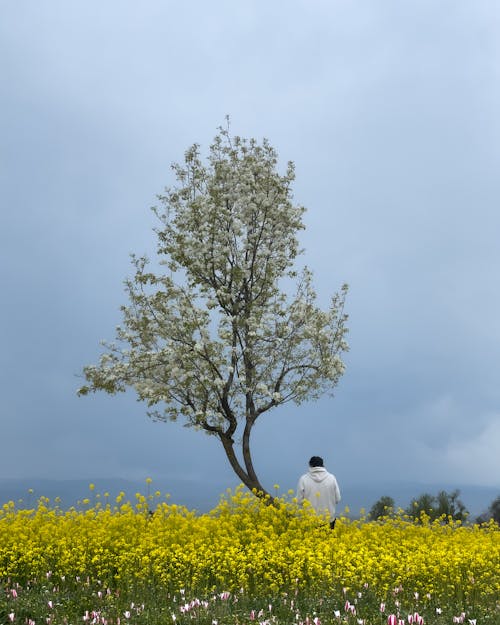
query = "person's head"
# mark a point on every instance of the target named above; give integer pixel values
(316, 461)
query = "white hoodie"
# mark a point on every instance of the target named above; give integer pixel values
(320, 488)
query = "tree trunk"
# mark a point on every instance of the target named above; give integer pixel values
(249, 477)
(247, 456)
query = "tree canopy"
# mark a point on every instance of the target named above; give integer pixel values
(443, 505)
(493, 512)
(383, 507)
(228, 329)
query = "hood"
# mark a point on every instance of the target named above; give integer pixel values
(318, 474)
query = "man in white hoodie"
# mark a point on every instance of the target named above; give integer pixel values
(320, 488)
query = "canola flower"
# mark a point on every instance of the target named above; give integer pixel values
(235, 562)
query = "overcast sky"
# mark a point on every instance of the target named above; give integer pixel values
(389, 110)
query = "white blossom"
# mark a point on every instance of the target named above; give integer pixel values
(215, 339)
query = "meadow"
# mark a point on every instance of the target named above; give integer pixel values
(150, 561)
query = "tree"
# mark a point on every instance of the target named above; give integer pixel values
(493, 512)
(450, 505)
(423, 503)
(443, 505)
(381, 508)
(215, 338)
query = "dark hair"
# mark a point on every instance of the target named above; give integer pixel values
(316, 461)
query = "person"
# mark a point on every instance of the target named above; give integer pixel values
(320, 488)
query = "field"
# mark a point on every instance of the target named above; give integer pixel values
(112, 561)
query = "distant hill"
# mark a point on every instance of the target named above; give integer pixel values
(205, 496)
(193, 495)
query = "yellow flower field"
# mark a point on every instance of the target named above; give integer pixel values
(245, 546)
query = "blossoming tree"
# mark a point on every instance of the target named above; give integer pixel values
(228, 330)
